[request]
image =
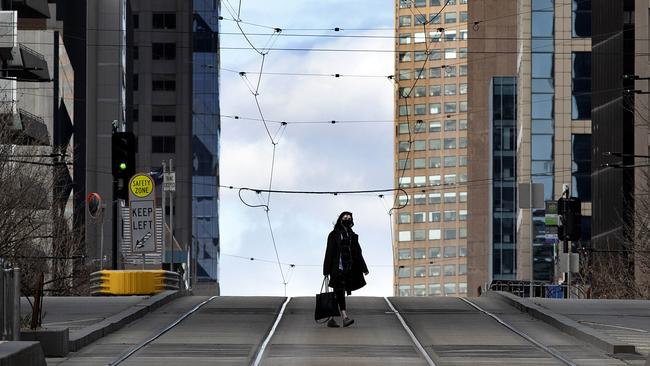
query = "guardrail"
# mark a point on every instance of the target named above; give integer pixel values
(539, 289)
(10, 300)
(133, 282)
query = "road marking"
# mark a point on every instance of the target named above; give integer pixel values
(135, 349)
(410, 333)
(271, 332)
(548, 350)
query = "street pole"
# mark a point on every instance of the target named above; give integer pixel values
(566, 249)
(171, 214)
(114, 206)
(532, 239)
(164, 207)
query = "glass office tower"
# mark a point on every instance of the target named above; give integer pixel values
(205, 140)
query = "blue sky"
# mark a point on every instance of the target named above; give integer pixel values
(312, 157)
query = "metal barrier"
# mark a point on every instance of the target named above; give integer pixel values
(539, 289)
(10, 300)
(133, 282)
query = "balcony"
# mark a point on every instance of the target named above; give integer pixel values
(27, 65)
(24, 129)
(31, 8)
(8, 33)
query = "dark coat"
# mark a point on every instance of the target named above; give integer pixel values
(352, 280)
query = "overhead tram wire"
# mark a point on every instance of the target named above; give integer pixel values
(256, 93)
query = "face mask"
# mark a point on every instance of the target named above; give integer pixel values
(346, 223)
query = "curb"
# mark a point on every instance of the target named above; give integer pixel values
(565, 324)
(83, 337)
(21, 354)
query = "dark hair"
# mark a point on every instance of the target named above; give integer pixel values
(338, 221)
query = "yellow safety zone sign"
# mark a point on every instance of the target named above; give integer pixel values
(141, 186)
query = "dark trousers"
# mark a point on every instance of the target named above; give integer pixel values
(340, 298)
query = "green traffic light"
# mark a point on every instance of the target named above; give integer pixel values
(122, 166)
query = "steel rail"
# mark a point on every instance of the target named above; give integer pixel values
(410, 333)
(557, 355)
(138, 347)
(258, 357)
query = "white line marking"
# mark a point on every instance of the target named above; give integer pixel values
(410, 333)
(258, 359)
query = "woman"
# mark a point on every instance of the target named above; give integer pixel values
(344, 264)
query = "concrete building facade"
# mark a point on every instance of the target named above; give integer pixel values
(431, 129)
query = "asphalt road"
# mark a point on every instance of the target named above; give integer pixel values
(231, 331)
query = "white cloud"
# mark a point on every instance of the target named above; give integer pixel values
(308, 157)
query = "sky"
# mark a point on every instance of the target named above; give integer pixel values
(308, 157)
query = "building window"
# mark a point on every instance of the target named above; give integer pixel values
(463, 17)
(462, 269)
(163, 144)
(435, 162)
(136, 114)
(419, 163)
(420, 56)
(449, 270)
(581, 166)
(450, 252)
(404, 254)
(434, 198)
(450, 216)
(450, 107)
(450, 17)
(463, 70)
(450, 143)
(450, 53)
(405, 74)
(434, 127)
(450, 89)
(419, 199)
(450, 288)
(450, 161)
(405, 56)
(404, 236)
(450, 234)
(163, 82)
(434, 180)
(163, 51)
(419, 290)
(405, 21)
(434, 234)
(163, 113)
(418, 217)
(136, 84)
(136, 21)
(404, 272)
(434, 90)
(434, 216)
(405, 290)
(581, 86)
(419, 271)
(136, 52)
(419, 235)
(404, 218)
(434, 252)
(420, 3)
(164, 21)
(420, 19)
(405, 38)
(435, 72)
(462, 288)
(435, 289)
(435, 144)
(581, 20)
(434, 270)
(450, 197)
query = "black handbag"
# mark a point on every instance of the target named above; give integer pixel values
(326, 304)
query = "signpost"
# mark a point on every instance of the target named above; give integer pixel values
(142, 213)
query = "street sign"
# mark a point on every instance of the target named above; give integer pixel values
(142, 213)
(169, 182)
(141, 186)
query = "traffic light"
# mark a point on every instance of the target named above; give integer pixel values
(569, 210)
(123, 155)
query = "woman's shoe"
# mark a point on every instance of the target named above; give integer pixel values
(347, 322)
(332, 323)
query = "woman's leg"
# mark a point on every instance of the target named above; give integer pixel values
(340, 298)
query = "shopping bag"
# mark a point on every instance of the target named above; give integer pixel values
(326, 305)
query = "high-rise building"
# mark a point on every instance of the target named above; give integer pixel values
(430, 148)
(492, 172)
(552, 138)
(176, 116)
(150, 67)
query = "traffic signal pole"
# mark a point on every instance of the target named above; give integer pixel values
(114, 206)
